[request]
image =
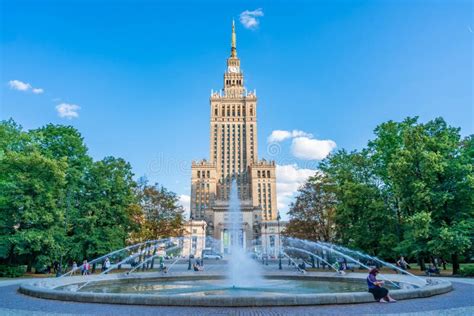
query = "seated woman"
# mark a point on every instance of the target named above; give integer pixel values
(375, 287)
(197, 267)
(302, 266)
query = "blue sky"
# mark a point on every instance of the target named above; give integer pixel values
(140, 74)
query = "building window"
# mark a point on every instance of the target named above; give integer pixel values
(272, 240)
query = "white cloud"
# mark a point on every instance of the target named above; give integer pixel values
(309, 149)
(303, 145)
(249, 19)
(278, 136)
(37, 90)
(19, 85)
(281, 135)
(185, 201)
(67, 110)
(289, 179)
(23, 86)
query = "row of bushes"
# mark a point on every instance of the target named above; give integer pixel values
(467, 270)
(11, 271)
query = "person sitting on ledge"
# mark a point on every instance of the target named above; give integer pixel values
(375, 287)
(302, 266)
(197, 267)
(432, 270)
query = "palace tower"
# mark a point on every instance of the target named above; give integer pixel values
(233, 156)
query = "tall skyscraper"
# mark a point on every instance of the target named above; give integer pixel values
(233, 158)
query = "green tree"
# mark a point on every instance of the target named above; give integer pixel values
(104, 222)
(162, 215)
(57, 203)
(312, 214)
(426, 171)
(363, 219)
(65, 143)
(12, 137)
(30, 188)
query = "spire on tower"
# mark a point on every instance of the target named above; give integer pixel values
(233, 52)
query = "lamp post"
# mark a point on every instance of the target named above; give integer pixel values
(279, 242)
(203, 245)
(266, 246)
(190, 242)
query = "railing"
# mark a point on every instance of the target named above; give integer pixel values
(233, 93)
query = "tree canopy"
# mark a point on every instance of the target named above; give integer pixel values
(409, 192)
(58, 204)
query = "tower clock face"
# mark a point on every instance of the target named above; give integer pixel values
(233, 69)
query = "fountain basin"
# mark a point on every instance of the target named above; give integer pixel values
(205, 289)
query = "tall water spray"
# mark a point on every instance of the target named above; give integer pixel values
(243, 271)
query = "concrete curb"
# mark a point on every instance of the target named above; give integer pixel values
(47, 290)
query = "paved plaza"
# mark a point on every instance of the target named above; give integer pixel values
(458, 302)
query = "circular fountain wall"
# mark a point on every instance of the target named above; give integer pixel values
(279, 289)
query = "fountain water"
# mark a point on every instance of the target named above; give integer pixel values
(243, 271)
(242, 276)
(374, 259)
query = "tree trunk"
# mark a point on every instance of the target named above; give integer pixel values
(11, 255)
(421, 263)
(399, 221)
(455, 259)
(29, 265)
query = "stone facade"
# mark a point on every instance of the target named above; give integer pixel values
(197, 230)
(270, 238)
(233, 157)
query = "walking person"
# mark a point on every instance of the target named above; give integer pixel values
(375, 287)
(85, 267)
(74, 268)
(106, 264)
(402, 263)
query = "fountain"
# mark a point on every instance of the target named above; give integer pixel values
(134, 278)
(244, 272)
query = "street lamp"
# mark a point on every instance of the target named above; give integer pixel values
(264, 257)
(279, 242)
(190, 242)
(203, 245)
